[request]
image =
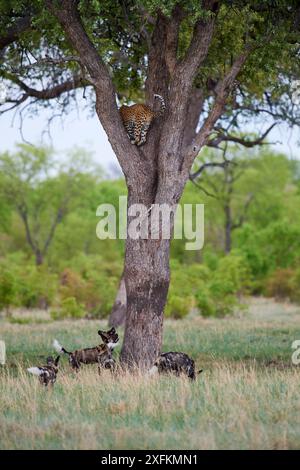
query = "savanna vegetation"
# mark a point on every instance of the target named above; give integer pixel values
(218, 64)
(221, 66)
(51, 257)
(247, 396)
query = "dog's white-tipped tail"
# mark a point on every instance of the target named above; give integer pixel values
(58, 347)
(35, 370)
(153, 370)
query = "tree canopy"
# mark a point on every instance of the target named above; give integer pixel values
(40, 67)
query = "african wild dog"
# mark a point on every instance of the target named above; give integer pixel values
(176, 363)
(102, 354)
(47, 374)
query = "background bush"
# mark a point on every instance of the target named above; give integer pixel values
(80, 274)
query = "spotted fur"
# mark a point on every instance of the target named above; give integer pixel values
(138, 118)
(175, 363)
(101, 354)
(47, 374)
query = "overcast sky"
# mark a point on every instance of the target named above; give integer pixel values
(83, 131)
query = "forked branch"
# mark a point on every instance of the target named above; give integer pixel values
(223, 90)
(240, 140)
(106, 107)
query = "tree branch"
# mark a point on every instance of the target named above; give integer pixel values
(202, 188)
(14, 32)
(239, 140)
(195, 107)
(243, 215)
(180, 88)
(52, 60)
(203, 167)
(157, 65)
(202, 36)
(106, 107)
(223, 89)
(173, 25)
(49, 93)
(56, 221)
(23, 213)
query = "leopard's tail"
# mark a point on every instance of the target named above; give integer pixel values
(162, 105)
(59, 348)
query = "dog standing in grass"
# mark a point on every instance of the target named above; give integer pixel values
(47, 374)
(174, 363)
(101, 355)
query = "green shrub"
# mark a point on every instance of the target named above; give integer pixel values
(69, 309)
(220, 295)
(280, 285)
(268, 249)
(186, 280)
(37, 287)
(8, 289)
(72, 286)
(93, 282)
(205, 302)
(178, 307)
(213, 292)
(295, 286)
(234, 274)
(210, 258)
(22, 283)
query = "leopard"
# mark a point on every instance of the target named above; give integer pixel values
(138, 118)
(101, 354)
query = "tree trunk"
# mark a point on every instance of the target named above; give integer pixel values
(118, 312)
(228, 229)
(38, 258)
(147, 280)
(157, 172)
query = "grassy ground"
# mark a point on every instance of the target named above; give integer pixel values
(247, 397)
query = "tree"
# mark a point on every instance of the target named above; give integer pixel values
(247, 186)
(40, 199)
(202, 57)
(222, 185)
(118, 312)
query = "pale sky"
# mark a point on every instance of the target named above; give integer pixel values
(79, 129)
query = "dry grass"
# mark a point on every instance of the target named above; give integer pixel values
(233, 407)
(237, 403)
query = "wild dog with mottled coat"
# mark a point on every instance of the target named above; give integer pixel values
(175, 363)
(101, 354)
(47, 374)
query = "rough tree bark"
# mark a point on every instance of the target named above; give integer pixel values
(157, 172)
(117, 316)
(118, 311)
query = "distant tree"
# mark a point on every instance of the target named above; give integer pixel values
(41, 191)
(244, 184)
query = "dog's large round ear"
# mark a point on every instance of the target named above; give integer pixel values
(102, 334)
(112, 330)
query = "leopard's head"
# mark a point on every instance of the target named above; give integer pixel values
(110, 337)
